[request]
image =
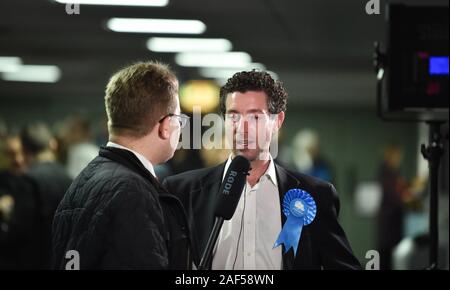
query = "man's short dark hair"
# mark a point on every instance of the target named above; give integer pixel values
(137, 96)
(256, 81)
(35, 137)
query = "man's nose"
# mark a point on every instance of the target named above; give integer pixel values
(242, 126)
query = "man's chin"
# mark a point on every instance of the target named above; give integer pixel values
(250, 154)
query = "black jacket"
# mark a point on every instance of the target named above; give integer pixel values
(323, 243)
(118, 216)
(50, 183)
(19, 234)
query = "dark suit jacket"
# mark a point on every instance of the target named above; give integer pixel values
(323, 244)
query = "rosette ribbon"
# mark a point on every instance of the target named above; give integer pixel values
(300, 210)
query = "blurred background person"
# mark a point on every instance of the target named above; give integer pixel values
(49, 179)
(12, 155)
(3, 134)
(17, 208)
(307, 157)
(80, 147)
(397, 195)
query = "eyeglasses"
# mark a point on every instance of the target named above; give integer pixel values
(182, 119)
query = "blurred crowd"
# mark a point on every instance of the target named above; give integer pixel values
(37, 166)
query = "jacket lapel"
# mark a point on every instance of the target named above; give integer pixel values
(205, 203)
(285, 182)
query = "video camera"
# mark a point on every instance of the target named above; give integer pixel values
(413, 73)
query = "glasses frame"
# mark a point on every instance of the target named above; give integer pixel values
(182, 119)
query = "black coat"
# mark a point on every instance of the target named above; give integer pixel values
(118, 216)
(25, 238)
(323, 243)
(50, 183)
(20, 247)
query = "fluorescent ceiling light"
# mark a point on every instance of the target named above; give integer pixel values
(223, 60)
(9, 63)
(147, 25)
(34, 73)
(172, 44)
(224, 73)
(158, 3)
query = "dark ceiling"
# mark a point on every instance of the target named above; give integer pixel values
(320, 49)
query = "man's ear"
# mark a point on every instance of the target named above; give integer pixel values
(278, 121)
(164, 128)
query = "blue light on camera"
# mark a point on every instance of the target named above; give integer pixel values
(438, 65)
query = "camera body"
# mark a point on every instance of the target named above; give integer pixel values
(416, 63)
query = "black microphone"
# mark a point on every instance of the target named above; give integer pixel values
(229, 195)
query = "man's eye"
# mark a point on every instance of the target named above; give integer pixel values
(234, 117)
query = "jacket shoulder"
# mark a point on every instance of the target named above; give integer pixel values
(183, 184)
(311, 181)
(102, 181)
(104, 170)
(196, 173)
(322, 191)
(193, 177)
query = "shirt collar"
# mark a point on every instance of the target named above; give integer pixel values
(145, 162)
(270, 172)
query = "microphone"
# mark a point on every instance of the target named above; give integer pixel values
(229, 195)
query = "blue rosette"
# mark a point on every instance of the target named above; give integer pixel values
(300, 210)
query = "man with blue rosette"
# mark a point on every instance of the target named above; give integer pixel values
(284, 220)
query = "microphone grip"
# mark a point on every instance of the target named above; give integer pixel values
(207, 254)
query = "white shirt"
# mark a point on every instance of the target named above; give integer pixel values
(260, 227)
(147, 164)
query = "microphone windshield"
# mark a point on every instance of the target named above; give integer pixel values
(232, 186)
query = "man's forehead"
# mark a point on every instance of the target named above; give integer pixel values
(250, 101)
(248, 94)
(246, 111)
